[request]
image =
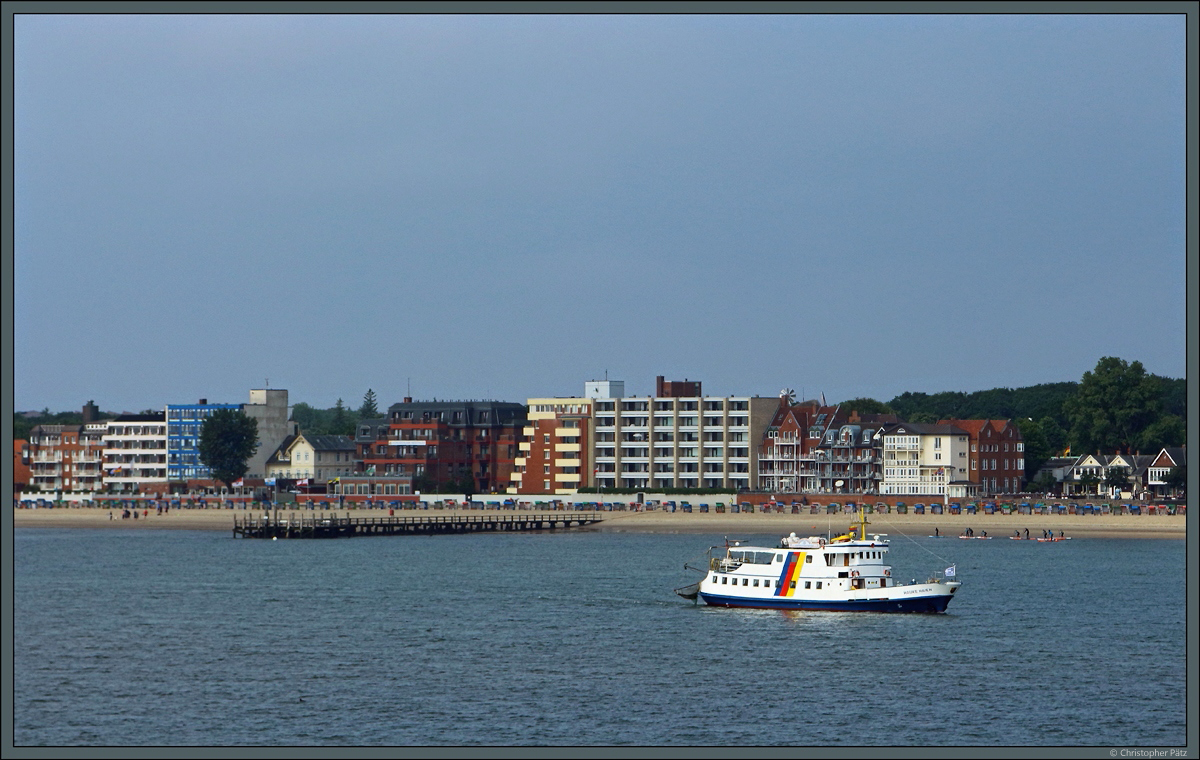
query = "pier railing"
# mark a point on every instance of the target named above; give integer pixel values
(333, 525)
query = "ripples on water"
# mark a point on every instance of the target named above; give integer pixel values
(194, 638)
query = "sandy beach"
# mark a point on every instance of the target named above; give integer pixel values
(998, 525)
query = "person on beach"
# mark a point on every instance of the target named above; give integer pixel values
(935, 532)
(110, 514)
(135, 514)
(1027, 533)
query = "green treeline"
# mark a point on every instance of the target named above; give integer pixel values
(1117, 406)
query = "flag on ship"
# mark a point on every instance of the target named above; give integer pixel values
(950, 571)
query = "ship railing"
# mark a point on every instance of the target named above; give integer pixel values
(723, 564)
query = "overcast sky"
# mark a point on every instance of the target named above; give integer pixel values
(507, 206)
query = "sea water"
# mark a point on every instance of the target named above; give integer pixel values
(170, 637)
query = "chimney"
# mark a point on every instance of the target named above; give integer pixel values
(408, 399)
(658, 386)
(203, 401)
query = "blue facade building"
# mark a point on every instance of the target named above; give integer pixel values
(183, 439)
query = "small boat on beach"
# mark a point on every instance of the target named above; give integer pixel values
(846, 573)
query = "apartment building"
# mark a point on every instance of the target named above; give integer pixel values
(786, 456)
(814, 448)
(925, 460)
(554, 456)
(444, 443)
(135, 453)
(184, 422)
(997, 455)
(667, 441)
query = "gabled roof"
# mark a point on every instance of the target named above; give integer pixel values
(1176, 456)
(285, 445)
(329, 442)
(971, 427)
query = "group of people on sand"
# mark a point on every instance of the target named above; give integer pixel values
(128, 513)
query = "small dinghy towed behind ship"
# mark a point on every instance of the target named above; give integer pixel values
(846, 573)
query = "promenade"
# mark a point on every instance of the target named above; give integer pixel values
(659, 521)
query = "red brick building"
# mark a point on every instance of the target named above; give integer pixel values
(444, 445)
(997, 455)
(20, 466)
(554, 455)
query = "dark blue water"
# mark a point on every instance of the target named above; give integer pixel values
(195, 638)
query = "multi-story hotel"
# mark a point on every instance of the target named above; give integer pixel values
(925, 460)
(554, 456)
(675, 441)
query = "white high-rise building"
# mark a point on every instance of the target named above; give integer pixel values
(662, 441)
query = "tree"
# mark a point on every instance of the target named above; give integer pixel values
(1176, 479)
(368, 410)
(1037, 451)
(1043, 483)
(867, 406)
(1167, 430)
(1115, 403)
(1116, 479)
(343, 423)
(1088, 482)
(228, 439)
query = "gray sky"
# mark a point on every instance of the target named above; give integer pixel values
(508, 206)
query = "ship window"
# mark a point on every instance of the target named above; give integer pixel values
(714, 579)
(807, 584)
(779, 558)
(745, 581)
(818, 584)
(808, 558)
(725, 580)
(756, 582)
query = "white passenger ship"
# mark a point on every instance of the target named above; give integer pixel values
(844, 573)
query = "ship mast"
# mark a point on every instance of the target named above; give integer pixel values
(861, 524)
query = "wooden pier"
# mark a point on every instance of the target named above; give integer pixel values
(323, 525)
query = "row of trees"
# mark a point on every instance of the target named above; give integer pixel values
(337, 420)
(1117, 406)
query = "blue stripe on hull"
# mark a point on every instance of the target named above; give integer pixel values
(922, 604)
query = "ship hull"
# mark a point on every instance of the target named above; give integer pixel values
(931, 603)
